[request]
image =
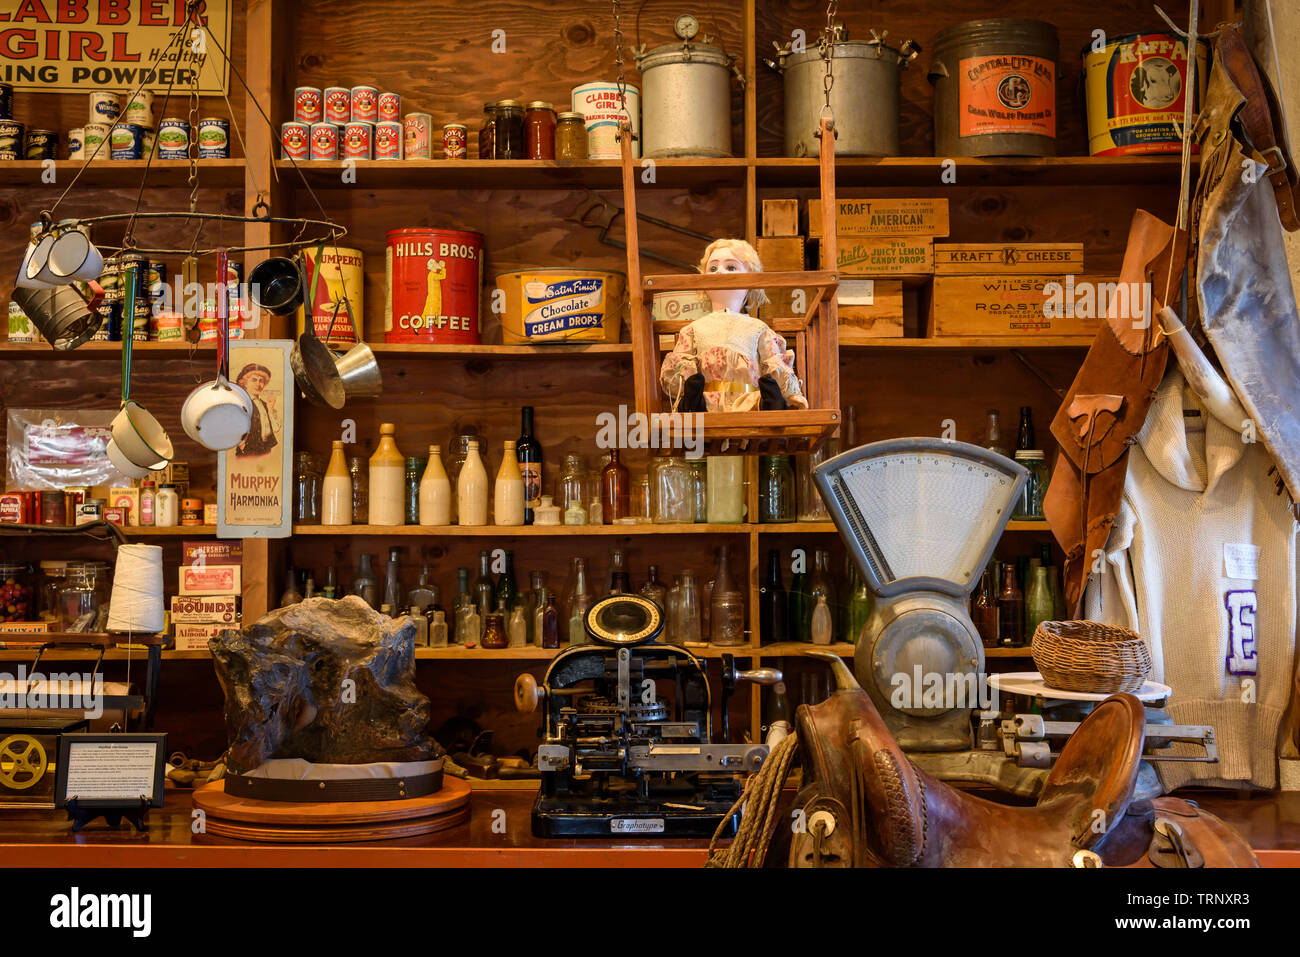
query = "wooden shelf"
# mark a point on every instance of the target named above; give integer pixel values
(782, 649)
(794, 528)
(142, 351)
(519, 531)
(388, 350)
(470, 174)
(533, 653)
(110, 173)
(887, 171)
(113, 654)
(968, 344)
(1029, 525)
(147, 531)
(1007, 652)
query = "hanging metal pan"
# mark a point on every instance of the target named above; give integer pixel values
(313, 364)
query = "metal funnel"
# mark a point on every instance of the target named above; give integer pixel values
(359, 370)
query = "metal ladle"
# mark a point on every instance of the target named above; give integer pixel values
(313, 364)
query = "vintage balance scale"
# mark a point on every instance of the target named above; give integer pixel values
(921, 517)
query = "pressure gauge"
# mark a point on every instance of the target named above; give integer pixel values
(920, 513)
(686, 27)
(623, 620)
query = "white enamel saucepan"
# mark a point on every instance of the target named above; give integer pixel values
(217, 414)
(138, 438)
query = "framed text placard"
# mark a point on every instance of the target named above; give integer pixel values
(255, 478)
(77, 46)
(110, 770)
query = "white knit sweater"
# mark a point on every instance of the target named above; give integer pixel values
(1187, 494)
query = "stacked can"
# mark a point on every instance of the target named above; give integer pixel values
(296, 135)
(324, 142)
(390, 108)
(143, 301)
(127, 141)
(41, 144)
(417, 128)
(110, 307)
(338, 105)
(295, 138)
(388, 140)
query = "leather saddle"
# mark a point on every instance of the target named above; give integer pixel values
(865, 804)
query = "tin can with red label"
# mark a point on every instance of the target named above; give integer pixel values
(358, 141)
(435, 277)
(13, 509)
(294, 138)
(390, 107)
(308, 104)
(388, 141)
(417, 128)
(54, 508)
(454, 139)
(365, 104)
(338, 104)
(324, 142)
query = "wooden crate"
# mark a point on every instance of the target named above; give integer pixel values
(868, 256)
(780, 217)
(870, 309)
(781, 254)
(924, 216)
(1005, 306)
(1007, 259)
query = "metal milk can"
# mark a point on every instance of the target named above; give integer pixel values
(686, 96)
(864, 96)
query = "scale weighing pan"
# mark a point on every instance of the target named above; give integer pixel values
(920, 514)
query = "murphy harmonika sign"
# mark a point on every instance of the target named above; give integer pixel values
(75, 46)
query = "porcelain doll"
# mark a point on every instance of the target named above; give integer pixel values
(728, 361)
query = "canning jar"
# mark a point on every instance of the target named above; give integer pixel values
(508, 141)
(726, 489)
(1029, 506)
(539, 129)
(487, 131)
(672, 490)
(776, 489)
(78, 602)
(307, 489)
(17, 592)
(571, 136)
(573, 490)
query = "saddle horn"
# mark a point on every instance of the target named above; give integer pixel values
(844, 679)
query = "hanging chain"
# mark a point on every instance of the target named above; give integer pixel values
(618, 56)
(194, 139)
(828, 51)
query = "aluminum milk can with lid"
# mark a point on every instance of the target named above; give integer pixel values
(686, 96)
(864, 97)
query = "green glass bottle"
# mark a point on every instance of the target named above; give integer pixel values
(800, 604)
(484, 591)
(1038, 603)
(507, 587)
(860, 604)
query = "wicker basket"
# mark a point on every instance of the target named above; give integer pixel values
(1088, 656)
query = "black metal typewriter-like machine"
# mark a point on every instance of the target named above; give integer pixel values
(628, 734)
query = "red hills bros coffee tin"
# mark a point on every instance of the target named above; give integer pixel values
(435, 280)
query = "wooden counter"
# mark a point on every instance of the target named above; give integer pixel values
(1271, 822)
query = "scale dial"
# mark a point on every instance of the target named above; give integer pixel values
(921, 510)
(624, 620)
(686, 27)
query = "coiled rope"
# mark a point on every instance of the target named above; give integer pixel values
(760, 797)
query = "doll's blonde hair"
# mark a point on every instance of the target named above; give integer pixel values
(746, 254)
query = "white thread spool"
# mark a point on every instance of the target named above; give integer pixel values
(137, 603)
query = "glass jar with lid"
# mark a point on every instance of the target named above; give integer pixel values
(17, 592)
(776, 498)
(486, 131)
(726, 489)
(571, 136)
(1029, 506)
(78, 599)
(307, 489)
(508, 140)
(53, 574)
(672, 490)
(573, 489)
(539, 130)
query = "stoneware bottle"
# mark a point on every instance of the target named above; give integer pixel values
(435, 491)
(508, 503)
(387, 480)
(336, 490)
(472, 489)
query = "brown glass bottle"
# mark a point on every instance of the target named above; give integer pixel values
(1011, 610)
(615, 490)
(494, 632)
(984, 610)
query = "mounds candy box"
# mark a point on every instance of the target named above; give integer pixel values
(209, 580)
(213, 609)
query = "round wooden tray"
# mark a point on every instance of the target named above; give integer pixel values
(289, 822)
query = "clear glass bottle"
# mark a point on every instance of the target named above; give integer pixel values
(800, 600)
(822, 586)
(517, 628)
(426, 593)
(672, 490)
(642, 511)
(619, 582)
(688, 610)
(673, 613)
(292, 594)
(726, 490)
(435, 491)
(699, 489)
(570, 136)
(615, 490)
(578, 602)
(727, 604)
(456, 455)
(810, 507)
(776, 493)
(572, 488)
(393, 595)
(387, 480)
(307, 489)
(547, 512)
(359, 471)
(536, 604)
(438, 629)
(415, 466)
(472, 489)
(336, 489)
(421, 627)
(993, 440)
(654, 589)
(822, 632)
(508, 503)
(464, 603)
